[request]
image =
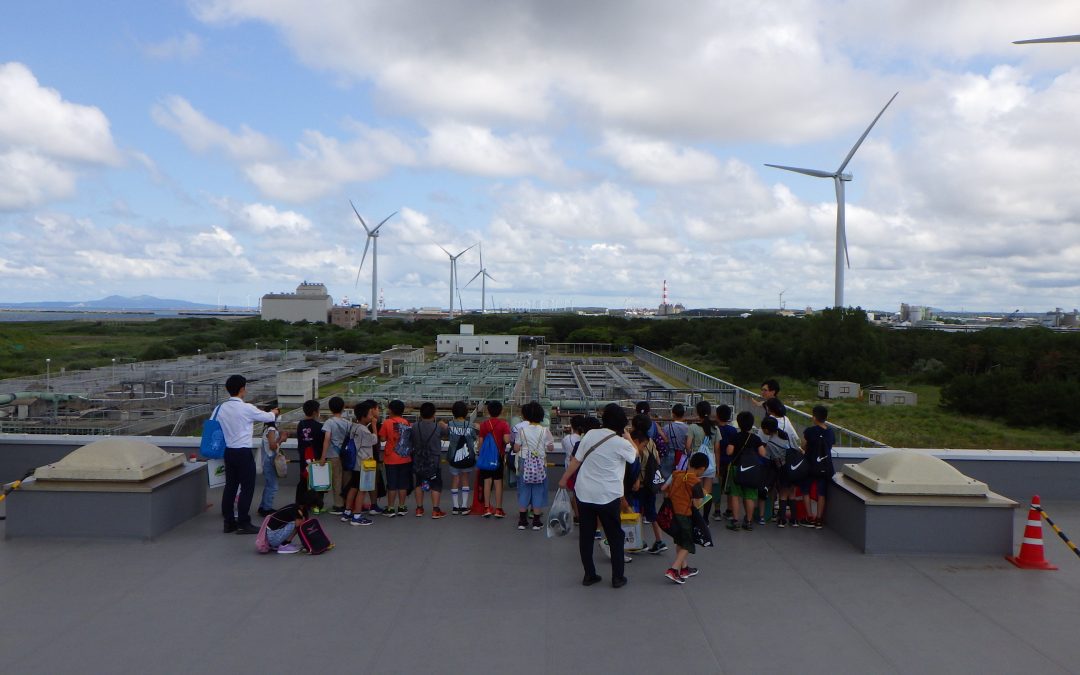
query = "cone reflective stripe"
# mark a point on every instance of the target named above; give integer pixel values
(1031, 547)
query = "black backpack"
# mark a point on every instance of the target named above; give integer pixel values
(749, 472)
(816, 450)
(651, 478)
(796, 467)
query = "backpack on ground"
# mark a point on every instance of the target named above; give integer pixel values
(404, 445)
(314, 538)
(488, 459)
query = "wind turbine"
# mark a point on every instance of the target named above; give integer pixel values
(453, 276)
(372, 238)
(484, 276)
(1063, 38)
(839, 178)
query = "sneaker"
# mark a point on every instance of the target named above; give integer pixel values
(598, 535)
(345, 517)
(781, 523)
(337, 511)
(732, 525)
(499, 513)
(627, 558)
(536, 524)
(589, 581)
(658, 547)
(317, 510)
(674, 575)
(794, 522)
(489, 512)
(389, 512)
(760, 521)
(818, 524)
(747, 526)
(618, 582)
(522, 522)
(419, 512)
(402, 510)
(437, 513)
(360, 520)
(288, 548)
(688, 572)
(375, 510)
(645, 521)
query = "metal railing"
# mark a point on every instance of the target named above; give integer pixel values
(742, 399)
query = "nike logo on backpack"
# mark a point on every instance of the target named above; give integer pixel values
(820, 459)
(796, 466)
(745, 468)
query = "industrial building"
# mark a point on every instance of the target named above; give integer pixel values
(838, 389)
(467, 343)
(393, 361)
(347, 316)
(310, 303)
(296, 385)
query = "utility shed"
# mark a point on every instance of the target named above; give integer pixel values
(467, 343)
(892, 397)
(392, 361)
(838, 389)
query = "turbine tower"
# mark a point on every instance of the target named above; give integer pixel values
(453, 277)
(484, 276)
(373, 242)
(839, 178)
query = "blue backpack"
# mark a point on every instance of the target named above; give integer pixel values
(212, 445)
(488, 460)
(348, 455)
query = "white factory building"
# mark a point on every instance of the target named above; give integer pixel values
(466, 342)
(310, 302)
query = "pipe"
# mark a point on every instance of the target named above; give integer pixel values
(40, 395)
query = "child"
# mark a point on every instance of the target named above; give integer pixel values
(531, 446)
(271, 441)
(427, 453)
(818, 441)
(356, 501)
(746, 442)
(686, 493)
(461, 434)
(676, 432)
(283, 525)
(380, 478)
(776, 447)
(704, 435)
(500, 431)
(309, 441)
(569, 447)
(336, 431)
(727, 437)
(645, 487)
(398, 469)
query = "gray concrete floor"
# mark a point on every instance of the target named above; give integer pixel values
(466, 594)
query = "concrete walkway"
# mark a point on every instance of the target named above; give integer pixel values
(466, 594)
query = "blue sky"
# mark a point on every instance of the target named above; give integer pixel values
(207, 150)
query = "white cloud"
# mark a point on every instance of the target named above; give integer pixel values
(217, 243)
(265, 218)
(184, 47)
(28, 179)
(658, 161)
(202, 134)
(477, 150)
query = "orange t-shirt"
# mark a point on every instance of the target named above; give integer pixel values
(682, 492)
(388, 432)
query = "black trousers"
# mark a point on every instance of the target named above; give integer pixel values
(239, 476)
(608, 515)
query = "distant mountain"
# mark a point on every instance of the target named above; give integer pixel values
(112, 302)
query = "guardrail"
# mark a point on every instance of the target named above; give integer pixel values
(742, 399)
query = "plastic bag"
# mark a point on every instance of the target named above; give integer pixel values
(560, 515)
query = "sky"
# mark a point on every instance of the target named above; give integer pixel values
(208, 151)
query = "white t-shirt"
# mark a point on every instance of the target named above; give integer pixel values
(568, 443)
(600, 477)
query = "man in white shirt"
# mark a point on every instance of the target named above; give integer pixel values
(237, 424)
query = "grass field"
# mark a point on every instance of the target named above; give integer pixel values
(925, 425)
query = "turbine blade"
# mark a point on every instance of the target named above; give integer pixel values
(474, 278)
(362, 259)
(864, 134)
(383, 222)
(445, 251)
(359, 216)
(488, 275)
(1064, 38)
(468, 249)
(816, 173)
(480, 250)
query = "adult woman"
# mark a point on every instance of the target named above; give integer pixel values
(600, 466)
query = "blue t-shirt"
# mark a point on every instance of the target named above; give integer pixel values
(728, 434)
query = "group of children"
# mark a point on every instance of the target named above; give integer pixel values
(695, 465)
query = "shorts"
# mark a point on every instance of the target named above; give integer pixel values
(275, 537)
(399, 477)
(737, 491)
(353, 482)
(433, 480)
(461, 472)
(647, 503)
(532, 493)
(496, 473)
(683, 533)
(822, 486)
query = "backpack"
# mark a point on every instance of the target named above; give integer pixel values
(658, 440)
(348, 455)
(821, 457)
(462, 454)
(212, 445)
(261, 544)
(706, 448)
(676, 442)
(424, 465)
(488, 459)
(314, 538)
(796, 467)
(404, 446)
(651, 477)
(749, 472)
(533, 467)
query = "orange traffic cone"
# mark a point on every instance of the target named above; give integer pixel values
(1031, 548)
(477, 508)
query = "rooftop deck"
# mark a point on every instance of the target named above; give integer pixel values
(466, 594)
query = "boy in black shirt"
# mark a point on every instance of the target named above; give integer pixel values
(818, 442)
(309, 443)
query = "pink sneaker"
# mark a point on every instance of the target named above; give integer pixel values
(288, 548)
